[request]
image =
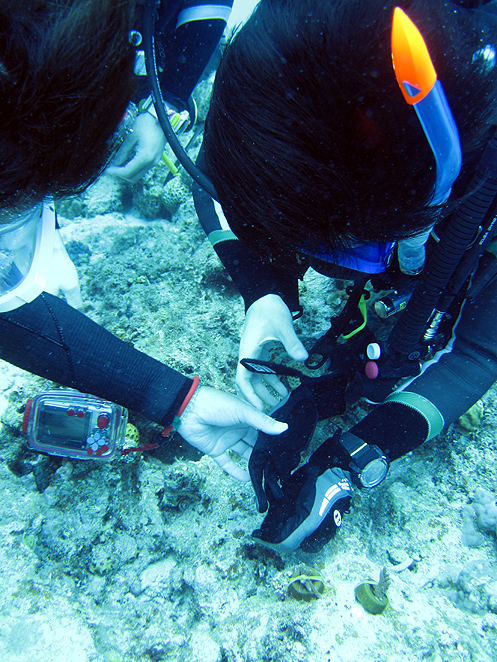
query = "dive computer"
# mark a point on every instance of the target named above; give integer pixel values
(368, 464)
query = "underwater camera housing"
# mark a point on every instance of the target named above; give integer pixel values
(68, 423)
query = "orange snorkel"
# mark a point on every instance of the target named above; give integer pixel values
(418, 82)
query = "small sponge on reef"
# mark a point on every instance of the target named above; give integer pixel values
(485, 509)
(483, 513)
(132, 435)
(306, 583)
(373, 596)
(471, 420)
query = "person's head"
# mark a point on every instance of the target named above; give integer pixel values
(66, 76)
(309, 140)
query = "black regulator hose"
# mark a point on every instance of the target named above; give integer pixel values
(444, 259)
(153, 76)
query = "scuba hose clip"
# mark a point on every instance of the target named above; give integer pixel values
(325, 347)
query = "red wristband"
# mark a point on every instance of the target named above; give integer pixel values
(189, 396)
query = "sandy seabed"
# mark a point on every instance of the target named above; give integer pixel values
(150, 557)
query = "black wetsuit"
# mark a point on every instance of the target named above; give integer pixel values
(449, 386)
(49, 338)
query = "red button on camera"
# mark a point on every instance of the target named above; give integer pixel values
(103, 421)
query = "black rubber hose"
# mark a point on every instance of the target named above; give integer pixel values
(153, 77)
(443, 261)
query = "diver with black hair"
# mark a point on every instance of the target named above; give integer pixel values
(358, 139)
(67, 74)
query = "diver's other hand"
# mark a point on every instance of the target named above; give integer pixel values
(311, 511)
(268, 319)
(147, 140)
(63, 277)
(274, 458)
(215, 422)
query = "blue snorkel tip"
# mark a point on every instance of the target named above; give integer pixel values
(420, 87)
(441, 132)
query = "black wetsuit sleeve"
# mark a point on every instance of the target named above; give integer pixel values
(452, 384)
(49, 338)
(253, 276)
(187, 34)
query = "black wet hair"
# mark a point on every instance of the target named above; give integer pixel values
(309, 141)
(66, 76)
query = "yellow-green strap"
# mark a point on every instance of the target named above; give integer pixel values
(424, 407)
(364, 313)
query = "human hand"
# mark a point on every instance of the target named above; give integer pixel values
(63, 277)
(268, 319)
(311, 512)
(148, 141)
(215, 422)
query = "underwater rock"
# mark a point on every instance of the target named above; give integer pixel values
(156, 198)
(101, 559)
(79, 252)
(485, 509)
(71, 207)
(204, 648)
(125, 547)
(43, 471)
(400, 560)
(104, 196)
(260, 554)
(476, 587)
(157, 573)
(183, 482)
(470, 536)
(64, 472)
(482, 512)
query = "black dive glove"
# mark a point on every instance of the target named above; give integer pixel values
(315, 498)
(274, 457)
